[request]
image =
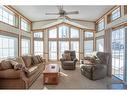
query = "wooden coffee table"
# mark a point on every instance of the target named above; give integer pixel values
(51, 74)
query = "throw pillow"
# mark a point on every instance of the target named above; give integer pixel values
(19, 66)
(39, 58)
(27, 60)
(5, 64)
(35, 60)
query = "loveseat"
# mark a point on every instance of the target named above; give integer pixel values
(21, 72)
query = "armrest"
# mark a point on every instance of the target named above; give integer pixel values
(75, 60)
(62, 59)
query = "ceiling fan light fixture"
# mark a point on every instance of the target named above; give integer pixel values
(63, 18)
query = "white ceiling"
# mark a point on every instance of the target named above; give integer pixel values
(86, 12)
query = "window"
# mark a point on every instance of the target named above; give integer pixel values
(88, 34)
(38, 35)
(7, 16)
(115, 14)
(63, 32)
(53, 33)
(118, 53)
(38, 47)
(63, 45)
(75, 47)
(101, 25)
(8, 46)
(88, 47)
(25, 25)
(100, 44)
(74, 33)
(25, 46)
(52, 50)
(62, 38)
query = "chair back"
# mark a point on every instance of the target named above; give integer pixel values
(72, 53)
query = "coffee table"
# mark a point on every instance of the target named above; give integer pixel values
(51, 74)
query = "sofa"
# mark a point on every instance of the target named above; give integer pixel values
(20, 72)
(96, 67)
(68, 60)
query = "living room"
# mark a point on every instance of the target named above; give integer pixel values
(60, 47)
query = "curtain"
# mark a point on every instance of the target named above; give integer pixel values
(107, 48)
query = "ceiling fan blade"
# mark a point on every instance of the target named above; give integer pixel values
(51, 13)
(73, 12)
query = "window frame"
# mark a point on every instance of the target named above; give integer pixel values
(40, 53)
(29, 46)
(109, 16)
(15, 17)
(27, 23)
(98, 38)
(119, 8)
(99, 22)
(15, 47)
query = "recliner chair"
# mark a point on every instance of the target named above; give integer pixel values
(99, 69)
(69, 64)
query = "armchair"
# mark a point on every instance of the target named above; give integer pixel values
(98, 68)
(68, 60)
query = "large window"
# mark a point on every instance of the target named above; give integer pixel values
(7, 16)
(63, 38)
(75, 47)
(52, 50)
(25, 46)
(115, 14)
(88, 43)
(53, 33)
(8, 46)
(88, 47)
(38, 47)
(63, 45)
(100, 44)
(74, 33)
(38, 43)
(63, 32)
(25, 25)
(101, 25)
(118, 53)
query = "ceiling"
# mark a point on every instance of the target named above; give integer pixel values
(86, 12)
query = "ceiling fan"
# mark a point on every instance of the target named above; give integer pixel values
(62, 12)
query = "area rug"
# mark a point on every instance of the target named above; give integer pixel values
(72, 79)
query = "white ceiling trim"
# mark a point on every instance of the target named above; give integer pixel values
(63, 21)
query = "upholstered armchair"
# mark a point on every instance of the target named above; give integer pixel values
(96, 67)
(68, 60)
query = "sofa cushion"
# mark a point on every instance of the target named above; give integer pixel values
(35, 60)
(10, 73)
(27, 60)
(32, 70)
(5, 64)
